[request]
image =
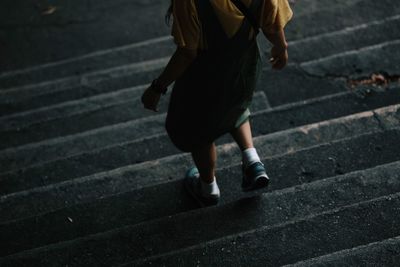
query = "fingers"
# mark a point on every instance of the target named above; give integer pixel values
(279, 58)
(278, 63)
(149, 102)
(150, 106)
(273, 60)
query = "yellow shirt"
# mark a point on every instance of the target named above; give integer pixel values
(186, 28)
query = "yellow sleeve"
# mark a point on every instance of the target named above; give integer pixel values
(186, 25)
(276, 14)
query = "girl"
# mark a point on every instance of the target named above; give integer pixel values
(215, 68)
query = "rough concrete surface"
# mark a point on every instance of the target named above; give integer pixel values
(90, 178)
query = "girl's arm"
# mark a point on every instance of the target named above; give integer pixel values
(279, 54)
(179, 62)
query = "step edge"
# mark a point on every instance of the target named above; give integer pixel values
(346, 30)
(102, 175)
(158, 63)
(279, 108)
(275, 109)
(394, 165)
(94, 54)
(169, 38)
(74, 102)
(354, 250)
(148, 65)
(389, 197)
(157, 117)
(350, 52)
(224, 147)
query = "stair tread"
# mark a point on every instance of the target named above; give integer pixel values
(381, 253)
(146, 174)
(134, 151)
(88, 177)
(91, 113)
(139, 204)
(277, 211)
(289, 242)
(367, 10)
(279, 118)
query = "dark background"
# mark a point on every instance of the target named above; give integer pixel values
(76, 27)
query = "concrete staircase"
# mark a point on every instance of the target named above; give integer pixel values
(90, 178)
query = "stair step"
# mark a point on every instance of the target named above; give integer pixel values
(53, 92)
(283, 243)
(124, 55)
(153, 175)
(362, 62)
(25, 98)
(93, 112)
(309, 6)
(36, 96)
(70, 145)
(308, 73)
(123, 179)
(279, 118)
(331, 74)
(152, 147)
(92, 104)
(381, 253)
(335, 42)
(135, 149)
(162, 46)
(296, 211)
(325, 19)
(70, 108)
(89, 178)
(288, 170)
(76, 30)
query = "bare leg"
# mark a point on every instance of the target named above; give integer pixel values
(206, 157)
(254, 175)
(243, 136)
(205, 160)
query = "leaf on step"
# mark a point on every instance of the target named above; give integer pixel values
(375, 79)
(378, 78)
(49, 10)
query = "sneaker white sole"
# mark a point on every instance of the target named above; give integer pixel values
(202, 201)
(260, 182)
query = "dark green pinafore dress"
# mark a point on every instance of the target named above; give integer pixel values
(213, 95)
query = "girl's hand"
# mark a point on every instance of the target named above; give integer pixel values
(150, 99)
(279, 57)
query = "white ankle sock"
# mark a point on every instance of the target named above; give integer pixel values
(210, 189)
(250, 156)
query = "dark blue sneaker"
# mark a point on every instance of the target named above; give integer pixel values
(193, 186)
(254, 177)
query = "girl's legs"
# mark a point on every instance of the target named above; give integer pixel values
(244, 139)
(205, 159)
(254, 175)
(243, 136)
(204, 188)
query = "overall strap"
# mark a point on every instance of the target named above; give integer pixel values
(248, 13)
(214, 33)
